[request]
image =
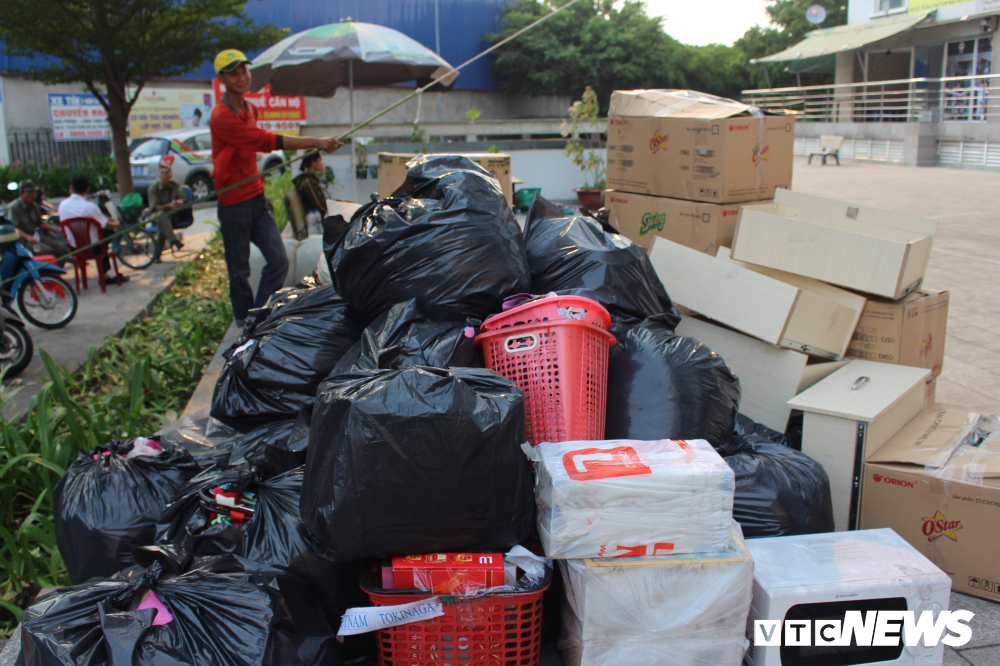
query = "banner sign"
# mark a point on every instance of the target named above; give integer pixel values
(163, 109)
(275, 113)
(918, 6)
(78, 117)
(363, 620)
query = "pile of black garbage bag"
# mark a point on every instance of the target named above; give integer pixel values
(355, 421)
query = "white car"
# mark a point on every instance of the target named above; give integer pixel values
(192, 151)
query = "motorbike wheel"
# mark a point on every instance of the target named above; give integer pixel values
(16, 349)
(137, 248)
(48, 302)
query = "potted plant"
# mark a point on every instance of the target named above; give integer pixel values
(361, 155)
(591, 162)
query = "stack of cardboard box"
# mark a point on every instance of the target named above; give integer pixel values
(818, 307)
(681, 163)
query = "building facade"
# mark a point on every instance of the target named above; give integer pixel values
(913, 83)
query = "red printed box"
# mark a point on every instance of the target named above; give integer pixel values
(448, 573)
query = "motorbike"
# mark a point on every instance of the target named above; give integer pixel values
(16, 347)
(137, 247)
(45, 299)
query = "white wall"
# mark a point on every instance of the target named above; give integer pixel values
(860, 11)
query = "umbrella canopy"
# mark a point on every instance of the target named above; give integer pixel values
(316, 62)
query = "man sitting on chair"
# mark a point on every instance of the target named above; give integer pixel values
(77, 206)
(165, 195)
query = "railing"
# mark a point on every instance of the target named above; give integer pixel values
(954, 98)
(38, 147)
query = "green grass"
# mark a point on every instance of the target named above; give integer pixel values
(132, 385)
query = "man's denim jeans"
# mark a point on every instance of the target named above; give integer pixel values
(241, 224)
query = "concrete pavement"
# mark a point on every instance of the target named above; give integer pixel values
(102, 314)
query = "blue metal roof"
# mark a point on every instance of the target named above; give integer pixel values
(462, 26)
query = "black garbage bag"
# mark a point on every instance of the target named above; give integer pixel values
(580, 252)
(196, 524)
(747, 426)
(106, 504)
(451, 238)
(208, 440)
(404, 336)
(667, 386)
(246, 615)
(279, 361)
(779, 491)
(289, 435)
(418, 460)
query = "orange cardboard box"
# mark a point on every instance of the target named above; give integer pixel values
(689, 145)
(909, 331)
(937, 484)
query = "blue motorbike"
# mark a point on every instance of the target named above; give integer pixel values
(44, 298)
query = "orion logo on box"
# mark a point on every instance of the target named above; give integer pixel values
(878, 478)
(738, 128)
(651, 221)
(658, 141)
(938, 526)
(727, 213)
(872, 628)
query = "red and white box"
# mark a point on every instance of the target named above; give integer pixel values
(448, 573)
(629, 498)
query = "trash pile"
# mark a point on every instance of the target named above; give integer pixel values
(404, 454)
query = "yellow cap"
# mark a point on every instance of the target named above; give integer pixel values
(228, 60)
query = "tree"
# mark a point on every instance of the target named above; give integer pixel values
(594, 42)
(789, 17)
(114, 47)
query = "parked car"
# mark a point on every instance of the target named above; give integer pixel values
(192, 166)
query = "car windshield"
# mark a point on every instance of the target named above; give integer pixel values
(151, 148)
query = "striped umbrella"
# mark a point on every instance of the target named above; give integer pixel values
(316, 62)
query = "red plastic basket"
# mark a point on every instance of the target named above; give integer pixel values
(561, 366)
(547, 309)
(495, 630)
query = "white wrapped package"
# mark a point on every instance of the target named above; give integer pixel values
(624, 498)
(682, 610)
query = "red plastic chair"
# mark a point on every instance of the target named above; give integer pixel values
(78, 229)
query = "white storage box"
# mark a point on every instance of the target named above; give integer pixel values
(877, 252)
(682, 610)
(786, 310)
(623, 498)
(820, 577)
(849, 416)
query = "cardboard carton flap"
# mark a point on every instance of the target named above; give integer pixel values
(675, 104)
(932, 437)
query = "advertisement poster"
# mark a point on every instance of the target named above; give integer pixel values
(275, 113)
(917, 6)
(78, 117)
(162, 109)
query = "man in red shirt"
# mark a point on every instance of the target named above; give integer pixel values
(244, 213)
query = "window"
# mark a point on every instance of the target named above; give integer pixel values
(151, 148)
(199, 142)
(883, 6)
(965, 96)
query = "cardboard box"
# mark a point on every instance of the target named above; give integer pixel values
(940, 491)
(688, 145)
(850, 415)
(825, 576)
(448, 573)
(769, 376)
(700, 226)
(785, 310)
(877, 252)
(392, 170)
(909, 331)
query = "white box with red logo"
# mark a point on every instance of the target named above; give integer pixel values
(688, 145)
(624, 498)
(937, 484)
(682, 610)
(818, 578)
